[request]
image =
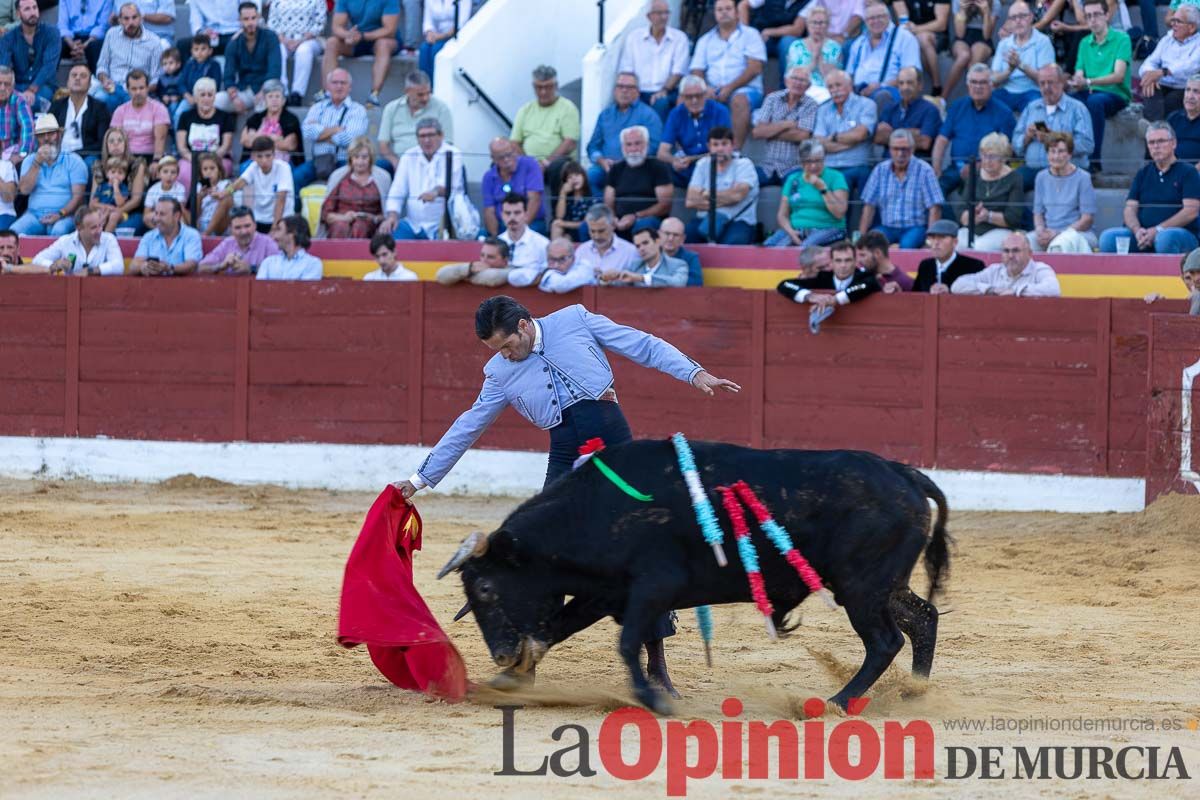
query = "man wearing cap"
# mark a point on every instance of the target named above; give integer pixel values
(1190, 272)
(937, 274)
(1017, 276)
(53, 180)
(554, 372)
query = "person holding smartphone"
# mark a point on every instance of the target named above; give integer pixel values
(1053, 111)
(172, 248)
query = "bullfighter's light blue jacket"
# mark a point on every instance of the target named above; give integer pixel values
(572, 341)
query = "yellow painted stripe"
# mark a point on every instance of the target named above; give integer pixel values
(1072, 285)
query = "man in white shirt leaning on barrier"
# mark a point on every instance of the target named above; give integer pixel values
(88, 251)
(1018, 276)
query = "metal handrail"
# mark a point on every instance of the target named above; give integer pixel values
(487, 101)
(972, 198)
(600, 35)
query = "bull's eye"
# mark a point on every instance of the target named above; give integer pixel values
(485, 592)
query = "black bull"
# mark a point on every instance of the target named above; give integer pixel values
(860, 520)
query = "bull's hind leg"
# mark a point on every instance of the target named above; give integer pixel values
(882, 638)
(918, 619)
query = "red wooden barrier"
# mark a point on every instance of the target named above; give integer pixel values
(955, 382)
(1174, 346)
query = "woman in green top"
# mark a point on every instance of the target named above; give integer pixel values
(822, 52)
(1000, 196)
(812, 207)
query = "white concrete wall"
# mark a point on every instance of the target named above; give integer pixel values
(499, 48)
(481, 472)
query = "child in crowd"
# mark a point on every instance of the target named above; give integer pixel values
(268, 185)
(167, 185)
(574, 199)
(211, 188)
(170, 82)
(200, 65)
(383, 248)
(112, 192)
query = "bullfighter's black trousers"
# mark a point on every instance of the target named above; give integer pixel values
(588, 419)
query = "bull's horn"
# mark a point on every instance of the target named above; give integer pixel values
(462, 612)
(473, 545)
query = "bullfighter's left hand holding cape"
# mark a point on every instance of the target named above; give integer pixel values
(382, 608)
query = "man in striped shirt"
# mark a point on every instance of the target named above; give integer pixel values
(16, 119)
(127, 47)
(331, 125)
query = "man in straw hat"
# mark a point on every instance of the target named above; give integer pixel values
(54, 181)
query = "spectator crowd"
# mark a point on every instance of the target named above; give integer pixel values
(859, 138)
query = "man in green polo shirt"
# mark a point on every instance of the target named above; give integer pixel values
(546, 128)
(1101, 79)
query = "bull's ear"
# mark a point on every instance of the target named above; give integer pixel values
(474, 545)
(462, 612)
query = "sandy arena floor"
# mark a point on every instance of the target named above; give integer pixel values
(178, 640)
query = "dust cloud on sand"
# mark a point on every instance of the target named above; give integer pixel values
(178, 639)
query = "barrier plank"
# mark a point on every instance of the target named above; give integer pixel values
(263, 428)
(157, 330)
(186, 428)
(33, 291)
(28, 362)
(181, 296)
(38, 327)
(1036, 314)
(34, 397)
(33, 424)
(164, 366)
(330, 298)
(297, 332)
(345, 403)
(154, 400)
(321, 367)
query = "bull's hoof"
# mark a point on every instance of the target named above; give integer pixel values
(656, 701)
(664, 680)
(510, 681)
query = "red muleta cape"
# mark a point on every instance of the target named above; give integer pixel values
(382, 608)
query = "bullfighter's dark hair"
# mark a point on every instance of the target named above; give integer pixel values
(499, 314)
(839, 246)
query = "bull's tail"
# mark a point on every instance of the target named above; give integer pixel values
(937, 551)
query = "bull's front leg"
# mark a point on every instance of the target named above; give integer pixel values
(649, 599)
